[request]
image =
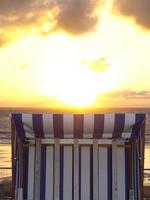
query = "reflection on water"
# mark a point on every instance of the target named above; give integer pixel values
(5, 160)
(147, 156)
(147, 165)
(5, 155)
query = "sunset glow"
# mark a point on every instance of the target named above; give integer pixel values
(54, 54)
(74, 84)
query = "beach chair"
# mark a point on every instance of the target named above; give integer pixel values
(78, 156)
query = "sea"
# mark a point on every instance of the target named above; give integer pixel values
(5, 134)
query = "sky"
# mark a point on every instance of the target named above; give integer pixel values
(74, 53)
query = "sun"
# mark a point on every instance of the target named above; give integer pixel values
(73, 85)
(64, 78)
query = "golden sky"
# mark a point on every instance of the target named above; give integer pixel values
(74, 53)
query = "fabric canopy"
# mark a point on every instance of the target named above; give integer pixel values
(108, 126)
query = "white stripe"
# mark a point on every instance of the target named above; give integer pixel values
(129, 122)
(68, 125)
(20, 194)
(37, 169)
(17, 177)
(85, 173)
(76, 169)
(95, 169)
(109, 122)
(114, 171)
(67, 182)
(57, 172)
(28, 125)
(103, 173)
(49, 173)
(31, 172)
(121, 172)
(88, 125)
(48, 125)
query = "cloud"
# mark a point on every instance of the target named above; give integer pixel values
(98, 65)
(17, 12)
(13, 6)
(72, 16)
(124, 98)
(130, 94)
(77, 16)
(137, 9)
(15, 15)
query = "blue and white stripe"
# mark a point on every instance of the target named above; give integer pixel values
(108, 126)
(62, 185)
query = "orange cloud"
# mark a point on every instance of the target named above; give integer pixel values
(124, 98)
(131, 94)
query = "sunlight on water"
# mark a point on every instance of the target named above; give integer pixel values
(5, 160)
(147, 165)
(147, 157)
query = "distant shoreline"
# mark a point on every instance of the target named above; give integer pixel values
(8, 110)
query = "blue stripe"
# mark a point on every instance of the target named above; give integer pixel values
(17, 174)
(14, 147)
(98, 125)
(80, 173)
(133, 171)
(43, 172)
(136, 128)
(17, 118)
(72, 172)
(109, 160)
(119, 125)
(137, 173)
(135, 168)
(140, 172)
(61, 172)
(126, 175)
(38, 125)
(58, 125)
(91, 173)
(78, 125)
(25, 176)
(19, 168)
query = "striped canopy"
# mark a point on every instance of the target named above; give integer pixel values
(108, 126)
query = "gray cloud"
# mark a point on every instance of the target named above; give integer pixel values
(77, 16)
(138, 9)
(72, 16)
(13, 6)
(130, 94)
(17, 12)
